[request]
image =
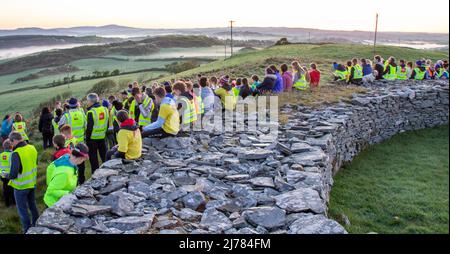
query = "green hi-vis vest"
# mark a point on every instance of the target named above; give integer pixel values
(392, 74)
(385, 65)
(301, 83)
(112, 115)
(77, 121)
(442, 72)
(100, 116)
(358, 73)
(189, 114)
(5, 163)
(71, 142)
(142, 121)
(235, 91)
(66, 181)
(21, 127)
(55, 127)
(341, 75)
(420, 75)
(201, 105)
(28, 159)
(402, 73)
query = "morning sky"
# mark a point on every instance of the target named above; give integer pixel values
(405, 16)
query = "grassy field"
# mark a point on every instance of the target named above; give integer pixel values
(26, 101)
(398, 186)
(246, 64)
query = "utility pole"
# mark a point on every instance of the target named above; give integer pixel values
(231, 31)
(375, 39)
(309, 35)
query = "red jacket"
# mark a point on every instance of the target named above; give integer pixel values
(60, 152)
(315, 77)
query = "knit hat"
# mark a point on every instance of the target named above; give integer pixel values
(73, 103)
(223, 80)
(419, 63)
(105, 103)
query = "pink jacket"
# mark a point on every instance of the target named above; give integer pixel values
(287, 81)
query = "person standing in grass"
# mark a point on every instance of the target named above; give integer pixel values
(23, 175)
(96, 127)
(46, 127)
(5, 168)
(314, 77)
(62, 174)
(287, 78)
(20, 126)
(6, 127)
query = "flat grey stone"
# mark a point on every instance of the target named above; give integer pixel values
(299, 200)
(315, 224)
(267, 217)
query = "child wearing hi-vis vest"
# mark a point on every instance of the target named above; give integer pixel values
(5, 167)
(20, 126)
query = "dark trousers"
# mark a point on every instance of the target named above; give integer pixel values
(96, 147)
(47, 139)
(110, 153)
(81, 176)
(8, 193)
(25, 200)
(111, 138)
(156, 133)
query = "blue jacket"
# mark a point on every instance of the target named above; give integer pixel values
(278, 87)
(64, 161)
(6, 127)
(367, 69)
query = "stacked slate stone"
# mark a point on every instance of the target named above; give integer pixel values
(245, 182)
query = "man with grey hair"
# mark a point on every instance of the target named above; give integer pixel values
(23, 175)
(96, 128)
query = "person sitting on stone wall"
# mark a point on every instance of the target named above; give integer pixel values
(129, 140)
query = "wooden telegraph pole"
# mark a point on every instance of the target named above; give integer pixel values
(231, 43)
(375, 39)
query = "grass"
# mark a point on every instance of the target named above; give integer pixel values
(9, 218)
(26, 101)
(398, 186)
(246, 64)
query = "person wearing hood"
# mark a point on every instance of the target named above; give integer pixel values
(46, 127)
(168, 123)
(279, 85)
(378, 67)
(62, 174)
(129, 139)
(268, 83)
(390, 72)
(96, 128)
(419, 71)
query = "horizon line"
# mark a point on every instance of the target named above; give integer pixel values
(218, 27)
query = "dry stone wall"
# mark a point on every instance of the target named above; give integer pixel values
(244, 182)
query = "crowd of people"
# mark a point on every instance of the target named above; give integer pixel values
(364, 71)
(113, 127)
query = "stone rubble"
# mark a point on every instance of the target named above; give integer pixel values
(246, 183)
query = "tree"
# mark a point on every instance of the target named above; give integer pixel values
(97, 74)
(282, 41)
(115, 72)
(72, 79)
(105, 73)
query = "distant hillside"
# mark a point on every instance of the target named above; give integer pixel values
(128, 48)
(19, 41)
(293, 34)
